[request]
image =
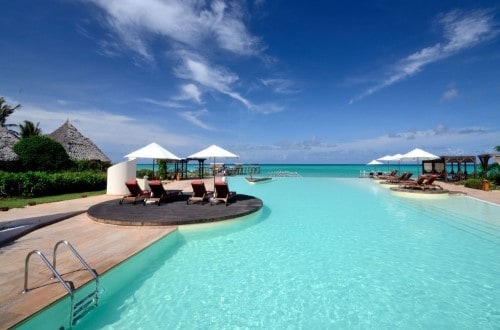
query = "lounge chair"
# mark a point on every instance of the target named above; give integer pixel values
(423, 182)
(391, 175)
(397, 179)
(200, 193)
(136, 192)
(159, 194)
(415, 184)
(222, 193)
(429, 183)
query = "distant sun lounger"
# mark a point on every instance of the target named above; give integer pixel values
(423, 182)
(404, 177)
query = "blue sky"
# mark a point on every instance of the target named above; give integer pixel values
(274, 81)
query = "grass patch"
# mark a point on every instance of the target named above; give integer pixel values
(11, 203)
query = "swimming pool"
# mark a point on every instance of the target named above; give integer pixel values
(323, 253)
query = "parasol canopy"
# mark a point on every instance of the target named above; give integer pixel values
(418, 155)
(154, 151)
(374, 162)
(214, 152)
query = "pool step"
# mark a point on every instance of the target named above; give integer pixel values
(84, 306)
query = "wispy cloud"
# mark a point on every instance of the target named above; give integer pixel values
(449, 94)
(280, 86)
(165, 104)
(191, 92)
(462, 30)
(210, 76)
(194, 118)
(190, 23)
(440, 140)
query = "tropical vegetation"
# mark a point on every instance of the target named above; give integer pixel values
(44, 167)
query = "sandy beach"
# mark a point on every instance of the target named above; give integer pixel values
(116, 244)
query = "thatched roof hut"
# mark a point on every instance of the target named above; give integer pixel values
(7, 140)
(76, 145)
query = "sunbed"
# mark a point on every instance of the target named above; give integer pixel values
(200, 193)
(423, 182)
(159, 194)
(137, 194)
(222, 193)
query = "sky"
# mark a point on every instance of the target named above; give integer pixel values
(282, 81)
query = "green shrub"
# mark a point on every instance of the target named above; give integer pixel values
(38, 184)
(474, 183)
(89, 165)
(40, 153)
(143, 172)
(494, 177)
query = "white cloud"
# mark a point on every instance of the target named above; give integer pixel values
(188, 22)
(462, 30)
(210, 76)
(440, 140)
(280, 86)
(449, 94)
(191, 91)
(194, 118)
(164, 104)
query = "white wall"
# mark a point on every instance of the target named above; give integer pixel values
(118, 174)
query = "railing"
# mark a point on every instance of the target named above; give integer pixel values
(78, 256)
(79, 309)
(49, 265)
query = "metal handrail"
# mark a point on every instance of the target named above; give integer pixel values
(78, 256)
(52, 269)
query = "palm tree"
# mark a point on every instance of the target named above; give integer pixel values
(5, 111)
(29, 129)
(497, 148)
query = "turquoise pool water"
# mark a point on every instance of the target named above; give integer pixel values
(323, 253)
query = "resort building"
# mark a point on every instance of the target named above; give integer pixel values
(76, 145)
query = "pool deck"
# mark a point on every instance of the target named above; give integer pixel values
(116, 244)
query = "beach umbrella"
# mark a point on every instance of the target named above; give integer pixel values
(154, 151)
(397, 157)
(418, 155)
(213, 152)
(374, 162)
(386, 158)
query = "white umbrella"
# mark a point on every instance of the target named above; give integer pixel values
(152, 150)
(213, 151)
(386, 158)
(398, 158)
(418, 154)
(374, 162)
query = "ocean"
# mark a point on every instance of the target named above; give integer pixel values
(314, 170)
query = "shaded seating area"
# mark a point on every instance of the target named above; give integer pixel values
(222, 193)
(200, 193)
(137, 194)
(485, 158)
(159, 194)
(450, 168)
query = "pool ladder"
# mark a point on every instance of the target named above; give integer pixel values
(84, 305)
